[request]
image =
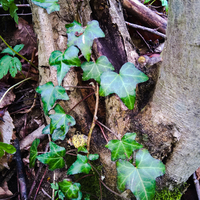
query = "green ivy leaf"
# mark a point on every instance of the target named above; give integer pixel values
(7, 148)
(147, 1)
(87, 197)
(93, 70)
(79, 166)
(50, 94)
(80, 195)
(61, 121)
(49, 5)
(140, 179)
(64, 61)
(83, 37)
(123, 84)
(69, 189)
(54, 158)
(8, 63)
(33, 152)
(123, 148)
(82, 149)
(93, 156)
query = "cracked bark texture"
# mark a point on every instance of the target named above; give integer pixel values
(167, 125)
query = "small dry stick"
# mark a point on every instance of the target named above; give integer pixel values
(94, 117)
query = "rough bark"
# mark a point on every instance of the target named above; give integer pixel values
(172, 117)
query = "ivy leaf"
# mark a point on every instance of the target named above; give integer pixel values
(79, 166)
(8, 63)
(7, 148)
(123, 148)
(123, 84)
(54, 158)
(50, 94)
(93, 70)
(165, 4)
(64, 61)
(61, 121)
(83, 37)
(69, 189)
(93, 156)
(49, 5)
(33, 152)
(82, 149)
(140, 179)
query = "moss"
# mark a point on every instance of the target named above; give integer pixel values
(167, 194)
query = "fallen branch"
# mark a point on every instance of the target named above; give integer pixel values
(145, 15)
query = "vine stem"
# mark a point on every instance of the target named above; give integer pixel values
(80, 102)
(17, 52)
(94, 117)
(13, 87)
(108, 129)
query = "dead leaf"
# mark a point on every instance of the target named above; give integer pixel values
(26, 36)
(4, 191)
(198, 173)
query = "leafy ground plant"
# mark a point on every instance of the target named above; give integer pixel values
(136, 168)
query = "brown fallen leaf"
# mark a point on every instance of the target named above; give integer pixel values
(198, 173)
(4, 191)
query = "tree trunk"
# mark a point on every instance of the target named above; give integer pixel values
(168, 125)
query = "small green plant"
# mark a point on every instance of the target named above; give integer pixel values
(10, 63)
(164, 3)
(137, 173)
(4, 147)
(9, 4)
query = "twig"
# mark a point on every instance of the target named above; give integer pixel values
(12, 87)
(37, 175)
(196, 182)
(109, 130)
(147, 29)
(144, 41)
(102, 131)
(100, 188)
(20, 171)
(19, 5)
(83, 177)
(45, 193)
(94, 117)
(40, 183)
(20, 14)
(80, 87)
(80, 102)
(109, 189)
(17, 53)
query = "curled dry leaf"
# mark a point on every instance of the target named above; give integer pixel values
(4, 191)
(6, 130)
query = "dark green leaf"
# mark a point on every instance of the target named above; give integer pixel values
(123, 84)
(79, 166)
(147, 1)
(93, 70)
(8, 63)
(1, 152)
(87, 197)
(46, 129)
(69, 189)
(60, 121)
(64, 61)
(93, 156)
(33, 152)
(54, 158)
(140, 179)
(79, 192)
(83, 37)
(50, 94)
(123, 148)
(7, 148)
(165, 4)
(13, 12)
(49, 5)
